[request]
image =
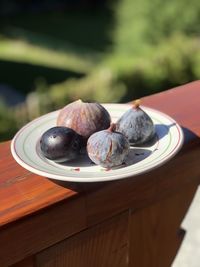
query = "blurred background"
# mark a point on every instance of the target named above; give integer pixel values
(53, 52)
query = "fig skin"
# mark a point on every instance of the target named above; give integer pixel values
(136, 125)
(60, 144)
(84, 118)
(108, 148)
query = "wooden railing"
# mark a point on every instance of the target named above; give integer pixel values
(131, 222)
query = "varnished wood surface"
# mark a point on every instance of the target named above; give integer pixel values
(22, 192)
(37, 212)
(28, 262)
(104, 245)
(155, 234)
(33, 234)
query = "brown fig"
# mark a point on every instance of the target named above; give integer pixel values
(84, 118)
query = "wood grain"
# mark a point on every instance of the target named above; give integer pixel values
(35, 233)
(154, 231)
(22, 192)
(28, 262)
(105, 245)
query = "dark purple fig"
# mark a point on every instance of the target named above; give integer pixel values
(108, 148)
(136, 125)
(84, 118)
(60, 144)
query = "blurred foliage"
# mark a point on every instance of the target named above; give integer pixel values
(8, 126)
(101, 85)
(142, 24)
(82, 32)
(155, 44)
(134, 48)
(175, 62)
(19, 50)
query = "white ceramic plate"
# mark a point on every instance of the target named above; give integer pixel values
(26, 151)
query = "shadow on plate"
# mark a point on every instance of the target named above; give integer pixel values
(83, 161)
(161, 131)
(135, 155)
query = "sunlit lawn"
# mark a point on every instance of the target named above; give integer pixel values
(20, 50)
(50, 44)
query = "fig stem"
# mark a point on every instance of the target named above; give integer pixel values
(136, 103)
(112, 127)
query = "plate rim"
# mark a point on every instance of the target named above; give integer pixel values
(25, 165)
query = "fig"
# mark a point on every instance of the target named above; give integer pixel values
(84, 118)
(136, 125)
(108, 148)
(60, 144)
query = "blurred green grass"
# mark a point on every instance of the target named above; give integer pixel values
(22, 50)
(50, 44)
(81, 31)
